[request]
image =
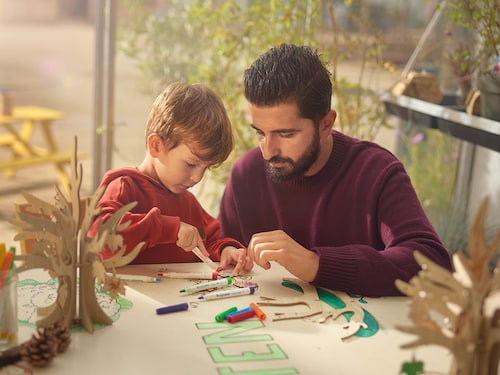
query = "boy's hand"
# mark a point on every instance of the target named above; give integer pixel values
(189, 237)
(237, 257)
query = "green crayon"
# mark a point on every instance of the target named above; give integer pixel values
(220, 317)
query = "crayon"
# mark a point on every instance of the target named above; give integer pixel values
(236, 317)
(239, 311)
(221, 316)
(2, 253)
(172, 308)
(258, 311)
(7, 261)
(6, 265)
(13, 250)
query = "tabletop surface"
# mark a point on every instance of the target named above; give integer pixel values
(192, 342)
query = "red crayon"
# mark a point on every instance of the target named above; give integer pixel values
(236, 317)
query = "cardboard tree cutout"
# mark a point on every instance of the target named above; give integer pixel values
(458, 310)
(61, 246)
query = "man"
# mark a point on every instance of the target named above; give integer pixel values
(335, 211)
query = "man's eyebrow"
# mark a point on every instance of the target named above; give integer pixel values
(284, 130)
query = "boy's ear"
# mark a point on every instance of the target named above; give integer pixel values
(155, 144)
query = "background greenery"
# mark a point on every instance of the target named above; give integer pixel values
(213, 41)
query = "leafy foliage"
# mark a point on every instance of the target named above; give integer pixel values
(212, 42)
(483, 17)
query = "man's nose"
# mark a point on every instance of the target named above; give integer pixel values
(269, 148)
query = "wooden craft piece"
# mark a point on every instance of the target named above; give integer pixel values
(420, 85)
(59, 244)
(449, 309)
(357, 319)
(309, 298)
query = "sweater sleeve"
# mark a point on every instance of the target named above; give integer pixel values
(151, 227)
(403, 228)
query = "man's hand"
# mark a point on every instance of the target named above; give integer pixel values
(279, 247)
(231, 255)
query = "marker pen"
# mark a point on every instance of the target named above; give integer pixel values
(143, 278)
(222, 283)
(172, 308)
(227, 293)
(189, 275)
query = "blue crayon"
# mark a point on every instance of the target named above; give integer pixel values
(240, 311)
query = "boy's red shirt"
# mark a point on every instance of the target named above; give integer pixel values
(156, 218)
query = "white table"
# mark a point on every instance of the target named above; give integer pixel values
(192, 342)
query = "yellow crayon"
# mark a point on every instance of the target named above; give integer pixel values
(2, 253)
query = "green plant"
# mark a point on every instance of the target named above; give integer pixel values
(212, 42)
(431, 160)
(482, 17)
(360, 111)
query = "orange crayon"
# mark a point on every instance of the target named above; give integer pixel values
(260, 314)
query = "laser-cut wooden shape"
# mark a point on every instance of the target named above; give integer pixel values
(310, 298)
(60, 244)
(450, 309)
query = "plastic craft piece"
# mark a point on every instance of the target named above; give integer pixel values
(310, 298)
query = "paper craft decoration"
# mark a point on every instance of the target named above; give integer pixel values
(309, 298)
(36, 294)
(452, 309)
(60, 245)
(312, 298)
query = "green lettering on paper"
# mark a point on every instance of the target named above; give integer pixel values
(274, 371)
(275, 352)
(230, 335)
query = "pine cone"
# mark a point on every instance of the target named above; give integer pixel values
(61, 334)
(39, 351)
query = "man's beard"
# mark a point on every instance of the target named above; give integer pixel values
(299, 167)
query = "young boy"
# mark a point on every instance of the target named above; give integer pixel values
(187, 132)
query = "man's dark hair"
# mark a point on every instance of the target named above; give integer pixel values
(290, 74)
